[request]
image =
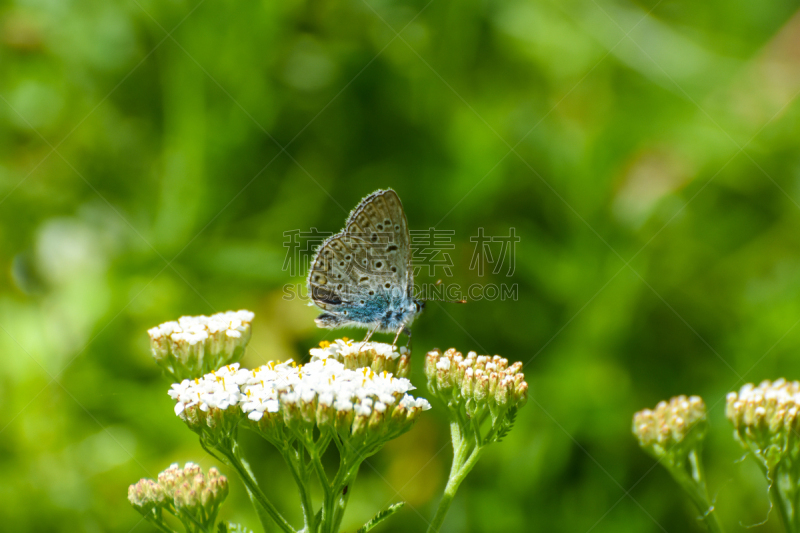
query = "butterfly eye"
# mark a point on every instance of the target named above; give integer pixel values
(341, 263)
(379, 226)
(388, 222)
(371, 293)
(348, 257)
(391, 248)
(397, 227)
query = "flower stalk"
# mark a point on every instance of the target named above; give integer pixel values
(673, 434)
(765, 421)
(482, 395)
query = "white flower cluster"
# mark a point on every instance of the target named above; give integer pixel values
(675, 427)
(378, 356)
(280, 397)
(195, 345)
(765, 419)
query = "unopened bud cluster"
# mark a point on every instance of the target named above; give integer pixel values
(476, 381)
(378, 356)
(765, 419)
(673, 428)
(284, 400)
(195, 345)
(181, 491)
(146, 495)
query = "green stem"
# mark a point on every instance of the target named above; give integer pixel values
(783, 506)
(296, 461)
(695, 487)
(795, 505)
(316, 461)
(264, 518)
(161, 526)
(465, 455)
(198, 525)
(344, 496)
(255, 492)
(329, 505)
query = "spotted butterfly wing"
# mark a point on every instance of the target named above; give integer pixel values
(380, 222)
(362, 276)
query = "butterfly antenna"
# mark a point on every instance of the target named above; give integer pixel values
(443, 301)
(439, 282)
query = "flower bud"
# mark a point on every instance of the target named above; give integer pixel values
(481, 386)
(431, 359)
(403, 366)
(492, 383)
(502, 392)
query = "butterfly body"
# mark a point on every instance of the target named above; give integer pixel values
(383, 314)
(362, 276)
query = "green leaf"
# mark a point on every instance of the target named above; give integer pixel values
(380, 517)
(511, 417)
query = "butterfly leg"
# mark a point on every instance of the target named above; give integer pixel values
(369, 335)
(405, 330)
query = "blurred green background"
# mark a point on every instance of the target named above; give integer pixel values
(152, 155)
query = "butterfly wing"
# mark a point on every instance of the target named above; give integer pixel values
(367, 260)
(332, 275)
(379, 221)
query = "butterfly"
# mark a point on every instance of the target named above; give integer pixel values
(362, 276)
